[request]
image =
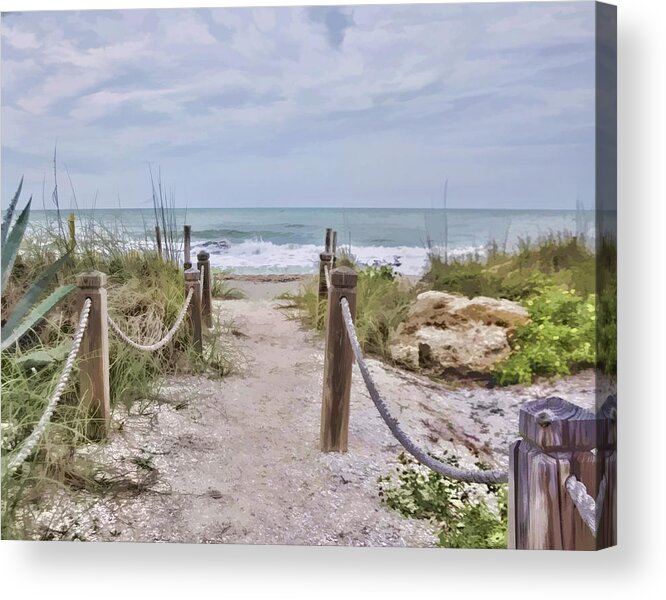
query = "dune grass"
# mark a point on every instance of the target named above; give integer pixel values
(145, 294)
(220, 287)
(382, 300)
(560, 259)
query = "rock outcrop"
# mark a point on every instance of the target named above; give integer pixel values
(450, 335)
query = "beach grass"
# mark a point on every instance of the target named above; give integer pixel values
(382, 300)
(221, 288)
(558, 258)
(145, 295)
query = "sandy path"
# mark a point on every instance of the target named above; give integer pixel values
(237, 460)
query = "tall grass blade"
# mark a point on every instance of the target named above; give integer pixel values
(37, 313)
(9, 214)
(11, 246)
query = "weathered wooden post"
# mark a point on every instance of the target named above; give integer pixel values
(327, 240)
(94, 355)
(561, 440)
(158, 239)
(187, 232)
(334, 247)
(71, 221)
(325, 262)
(337, 363)
(203, 264)
(194, 312)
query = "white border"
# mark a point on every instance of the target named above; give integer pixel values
(70, 570)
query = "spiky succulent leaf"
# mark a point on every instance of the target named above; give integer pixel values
(9, 213)
(36, 314)
(11, 245)
(33, 294)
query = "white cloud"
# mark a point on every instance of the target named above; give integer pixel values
(63, 84)
(19, 38)
(240, 85)
(186, 28)
(16, 71)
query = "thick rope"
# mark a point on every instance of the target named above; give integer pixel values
(472, 476)
(32, 440)
(165, 340)
(588, 508)
(327, 275)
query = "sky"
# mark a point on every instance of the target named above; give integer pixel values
(371, 106)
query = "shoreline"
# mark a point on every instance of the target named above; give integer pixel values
(266, 288)
(267, 277)
(269, 286)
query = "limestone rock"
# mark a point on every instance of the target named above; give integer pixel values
(447, 334)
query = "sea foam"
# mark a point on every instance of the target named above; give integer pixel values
(256, 256)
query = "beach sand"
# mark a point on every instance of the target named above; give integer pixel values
(237, 460)
(266, 287)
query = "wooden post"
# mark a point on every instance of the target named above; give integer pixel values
(192, 281)
(325, 261)
(158, 239)
(560, 439)
(327, 240)
(337, 363)
(71, 221)
(203, 264)
(187, 231)
(334, 247)
(94, 355)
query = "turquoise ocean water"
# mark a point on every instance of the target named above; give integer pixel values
(288, 240)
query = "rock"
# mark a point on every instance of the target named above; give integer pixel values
(447, 334)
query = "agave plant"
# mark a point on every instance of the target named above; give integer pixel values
(28, 311)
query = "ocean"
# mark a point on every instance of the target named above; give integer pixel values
(289, 240)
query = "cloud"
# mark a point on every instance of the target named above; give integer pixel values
(335, 20)
(327, 95)
(188, 29)
(19, 38)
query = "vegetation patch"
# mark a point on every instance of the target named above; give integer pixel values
(382, 301)
(145, 294)
(557, 259)
(466, 515)
(220, 287)
(559, 338)
(555, 278)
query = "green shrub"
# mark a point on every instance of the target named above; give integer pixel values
(559, 337)
(458, 509)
